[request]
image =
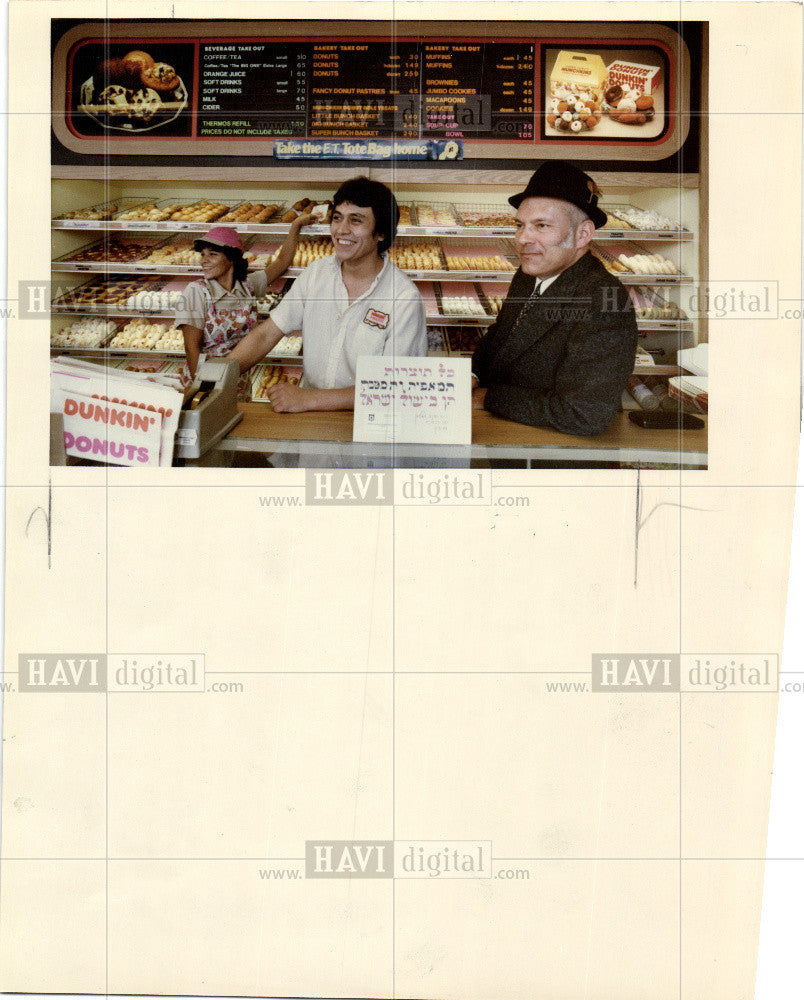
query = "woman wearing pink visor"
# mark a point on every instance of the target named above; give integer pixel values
(220, 309)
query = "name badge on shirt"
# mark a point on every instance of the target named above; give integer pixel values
(376, 318)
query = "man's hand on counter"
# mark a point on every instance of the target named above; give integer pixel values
(478, 398)
(288, 398)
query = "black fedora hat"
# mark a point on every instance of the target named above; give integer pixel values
(561, 180)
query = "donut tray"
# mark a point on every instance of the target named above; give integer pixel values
(106, 296)
(435, 216)
(165, 350)
(655, 312)
(88, 341)
(259, 247)
(619, 228)
(499, 265)
(463, 302)
(94, 216)
(149, 366)
(95, 256)
(238, 223)
(490, 219)
(184, 205)
(427, 290)
(609, 255)
(492, 295)
(265, 375)
(166, 260)
(104, 343)
(100, 294)
(418, 257)
(462, 340)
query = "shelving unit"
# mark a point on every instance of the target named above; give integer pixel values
(70, 237)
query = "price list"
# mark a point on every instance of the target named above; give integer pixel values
(367, 89)
(371, 89)
(253, 89)
(478, 90)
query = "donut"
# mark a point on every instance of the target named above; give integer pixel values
(160, 77)
(145, 104)
(115, 99)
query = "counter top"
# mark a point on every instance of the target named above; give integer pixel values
(492, 437)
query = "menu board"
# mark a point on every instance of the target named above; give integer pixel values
(375, 90)
(253, 89)
(363, 89)
(615, 94)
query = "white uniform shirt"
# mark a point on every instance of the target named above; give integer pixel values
(388, 319)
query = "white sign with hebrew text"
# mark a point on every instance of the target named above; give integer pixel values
(413, 400)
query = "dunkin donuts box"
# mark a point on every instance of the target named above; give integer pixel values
(578, 72)
(634, 75)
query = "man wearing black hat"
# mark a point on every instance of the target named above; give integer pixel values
(564, 344)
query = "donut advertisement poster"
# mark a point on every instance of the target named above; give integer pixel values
(607, 93)
(131, 88)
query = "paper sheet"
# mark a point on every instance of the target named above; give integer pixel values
(405, 674)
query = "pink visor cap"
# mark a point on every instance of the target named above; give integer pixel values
(220, 236)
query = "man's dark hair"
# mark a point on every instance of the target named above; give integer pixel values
(366, 193)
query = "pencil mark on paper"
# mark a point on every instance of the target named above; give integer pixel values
(640, 522)
(47, 515)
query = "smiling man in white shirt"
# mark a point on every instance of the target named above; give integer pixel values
(352, 303)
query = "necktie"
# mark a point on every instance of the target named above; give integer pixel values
(527, 308)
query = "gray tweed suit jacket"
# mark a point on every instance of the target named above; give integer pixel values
(566, 363)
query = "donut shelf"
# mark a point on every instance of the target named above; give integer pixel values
(113, 311)
(318, 229)
(485, 229)
(117, 353)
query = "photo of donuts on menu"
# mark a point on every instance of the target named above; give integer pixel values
(604, 94)
(132, 88)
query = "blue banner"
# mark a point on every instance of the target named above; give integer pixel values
(368, 149)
